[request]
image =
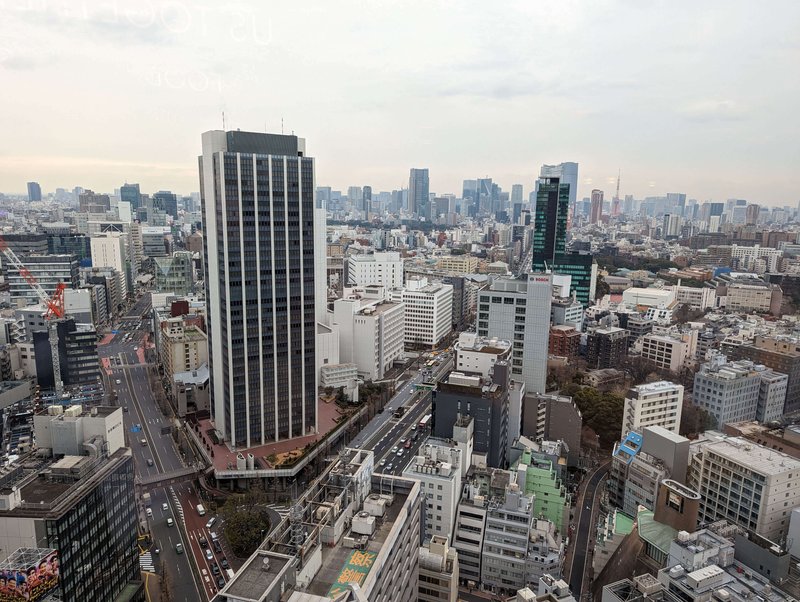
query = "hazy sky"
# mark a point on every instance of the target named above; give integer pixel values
(682, 96)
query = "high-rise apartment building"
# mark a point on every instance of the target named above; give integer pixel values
(48, 270)
(597, 206)
(518, 310)
(606, 347)
(419, 193)
(261, 274)
(653, 404)
(34, 191)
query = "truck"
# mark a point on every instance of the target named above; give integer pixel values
(146, 499)
(201, 510)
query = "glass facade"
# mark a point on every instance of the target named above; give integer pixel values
(550, 220)
(96, 537)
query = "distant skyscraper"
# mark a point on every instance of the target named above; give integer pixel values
(34, 191)
(419, 193)
(752, 215)
(366, 195)
(550, 219)
(567, 173)
(130, 193)
(261, 273)
(516, 193)
(597, 206)
(167, 202)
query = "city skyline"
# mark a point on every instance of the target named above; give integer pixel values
(533, 85)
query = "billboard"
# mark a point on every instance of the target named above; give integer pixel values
(30, 582)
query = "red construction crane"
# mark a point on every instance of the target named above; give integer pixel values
(54, 305)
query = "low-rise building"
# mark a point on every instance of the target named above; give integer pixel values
(438, 571)
(565, 341)
(478, 355)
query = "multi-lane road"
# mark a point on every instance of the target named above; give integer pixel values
(127, 375)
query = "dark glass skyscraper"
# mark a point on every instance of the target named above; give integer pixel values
(34, 191)
(257, 194)
(550, 240)
(419, 193)
(550, 219)
(130, 193)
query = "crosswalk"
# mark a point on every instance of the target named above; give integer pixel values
(282, 510)
(146, 562)
(177, 503)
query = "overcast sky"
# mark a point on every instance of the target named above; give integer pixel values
(682, 96)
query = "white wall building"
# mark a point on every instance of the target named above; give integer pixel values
(108, 250)
(653, 404)
(664, 351)
(371, 334)
(518, 310)
(727, 391)
(748, 258)
(477, 355)
(648, 297)
(382, 269)
(437, 467)
(429, 310)
(701, 298)
(745, 483)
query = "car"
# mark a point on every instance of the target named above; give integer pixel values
(179, 548)
(383, 462)
(164, 507)
(217, 546)
(224, 562)
(125, 408)
(215, 568)
(170, 522)
(399, 453)
(220, 582)
(389, 467)
(403, 441)
(203, 542)
(149, 461)
(119, 382)
(211, 522)
(149, 512)
(394, 449)
(209, 555)
(136, 349)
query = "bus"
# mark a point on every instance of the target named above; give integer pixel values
(425, 420)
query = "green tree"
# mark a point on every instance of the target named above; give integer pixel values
(246, 521)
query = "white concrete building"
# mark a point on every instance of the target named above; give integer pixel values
(648, 297)
(748, 258)
(438, 571)
(371, 334)
(429, 310)
(701, 298)
(437, 467)
(744, 483)
(664, 351)
(382, 269)
(518, 310)
(727, 391)
(653, 404)
(108, 250)
(477, 355)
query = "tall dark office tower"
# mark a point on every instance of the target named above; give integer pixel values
(419, 193)
(597, 206)
(366, 193)
(34, 191)
(257, 194)
(550, 219)
(167, 202)
(130, 193)
(469, 196)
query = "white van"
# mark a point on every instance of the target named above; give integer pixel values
(200, 510)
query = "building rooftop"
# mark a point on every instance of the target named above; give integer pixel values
(661, 386)
(756, 457)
